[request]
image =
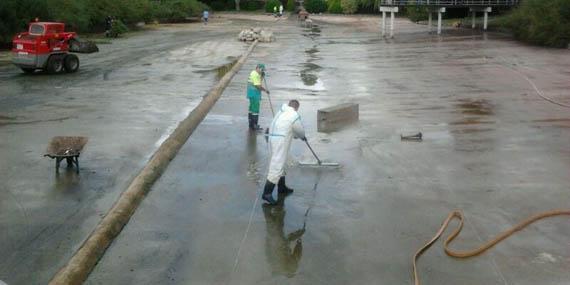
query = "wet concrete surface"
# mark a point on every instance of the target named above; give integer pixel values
(491, 147)
(126, 99)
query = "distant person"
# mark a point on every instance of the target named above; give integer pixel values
(108, 25)
(275, 11)
(286, 125)
(303, 15)
(254, 89)
(205, 16)
(280, 10)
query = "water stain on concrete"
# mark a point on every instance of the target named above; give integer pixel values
(471, 121)
(471, 131)
(12, 121)
(475, 107)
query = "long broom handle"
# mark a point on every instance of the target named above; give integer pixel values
(269, 97)
(307, 142)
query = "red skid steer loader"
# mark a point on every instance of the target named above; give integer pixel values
(46, 46)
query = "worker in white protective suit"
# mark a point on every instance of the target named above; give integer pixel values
(286, 125)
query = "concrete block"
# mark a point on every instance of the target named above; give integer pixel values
(335, 117)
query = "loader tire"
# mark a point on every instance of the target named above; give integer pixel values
(55, 64)
(71, 63)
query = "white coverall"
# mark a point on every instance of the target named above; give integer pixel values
(285, 125)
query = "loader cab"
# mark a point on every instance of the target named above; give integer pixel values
(45, 28)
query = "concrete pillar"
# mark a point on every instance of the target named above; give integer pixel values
(486, 11)
(392, 10)
(474, 14)
(485, 19)
(429, 22)
(439, 12)
(392, 24)
(439, 23)
(383, 23)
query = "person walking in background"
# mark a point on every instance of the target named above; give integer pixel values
(280, 10)
(205, 16)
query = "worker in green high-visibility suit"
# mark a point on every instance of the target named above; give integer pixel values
(254, 89)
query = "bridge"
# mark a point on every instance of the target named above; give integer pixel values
(451, 3)
(439, 7)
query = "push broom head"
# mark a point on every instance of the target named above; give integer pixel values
(317, 164)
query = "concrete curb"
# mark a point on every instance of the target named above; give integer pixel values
(84, 260)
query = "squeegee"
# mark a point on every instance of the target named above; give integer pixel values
(319, 162)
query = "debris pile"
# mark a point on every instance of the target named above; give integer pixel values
(252, 34)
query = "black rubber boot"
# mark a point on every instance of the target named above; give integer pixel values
(268, 193)
(255, 119)
(282, 188)
(250, 120)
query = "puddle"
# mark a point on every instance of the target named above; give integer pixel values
(308, 78)
(475, 107)
(313, 32)
(312, 51)
(311, 66)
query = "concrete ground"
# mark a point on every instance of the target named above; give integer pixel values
(492, 148)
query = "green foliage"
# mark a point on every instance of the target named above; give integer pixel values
(119, 28)
(176, 10)
(16, 14)
(221, 5)
(541, 22)
(270, 4)
(349, 6)
(316, 6)
(290, 5)
(334, 7)
(369, 4)
(251, 5)
(89, 15)
(416, 13)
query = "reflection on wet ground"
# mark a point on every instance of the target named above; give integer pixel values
(66, 179)
(313, 32)
(283, 251)
(253, 172)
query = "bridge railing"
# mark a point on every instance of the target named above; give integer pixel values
(449, 3)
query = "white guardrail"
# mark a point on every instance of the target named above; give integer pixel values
(463, 3)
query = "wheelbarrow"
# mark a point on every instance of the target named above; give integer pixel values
(68, 148)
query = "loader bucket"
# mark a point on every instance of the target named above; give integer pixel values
(82, 46)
